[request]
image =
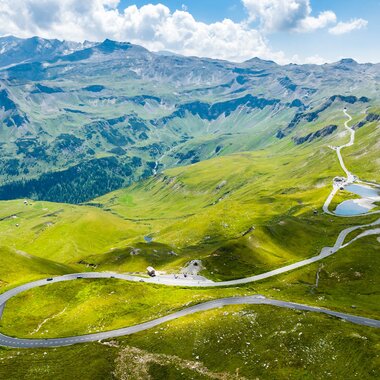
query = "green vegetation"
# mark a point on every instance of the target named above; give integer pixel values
(88, 306)
(266, 343)
(88, 361)
(208, 216)
(63, 233)
(20, 267)
(233, 212)
(74, 185)
(241, 214)
(347, 283)
(241, 342)
(363, 158)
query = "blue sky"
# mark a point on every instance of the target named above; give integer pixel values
(203, 10)
(299, 31)
(360, 44)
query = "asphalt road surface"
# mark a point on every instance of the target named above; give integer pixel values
(248, 300)
(350, 178)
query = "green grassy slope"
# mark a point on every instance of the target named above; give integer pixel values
(205, 209)
(87, 306)
(233, 343)
(60, 232)
(199, 211)
(234, 212)
(259, 341)
(90, 361)
(347, 283)
(18, 266)
(365, 160)
(267, 343)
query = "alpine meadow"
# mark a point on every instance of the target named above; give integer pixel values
(171, 209)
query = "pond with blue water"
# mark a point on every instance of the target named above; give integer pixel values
(352, 207)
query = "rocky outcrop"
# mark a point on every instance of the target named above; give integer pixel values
(6, 103)
(213, 111)
(94, 88)
(12, 117)
(314, 115)
(315, 135)
(288, 84)
(40, 88)
(371, 117)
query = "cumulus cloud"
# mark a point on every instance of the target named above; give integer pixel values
(314, 59)
(347, 27)
(294, 15)
(158, 28)
(311, 24)
(154, 26)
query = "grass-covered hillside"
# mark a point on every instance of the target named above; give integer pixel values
(235, 212)
(365, 160)
(235, 343)
(240, 214)
(254, 341)
(347, 282)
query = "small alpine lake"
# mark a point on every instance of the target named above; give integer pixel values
(358, 206)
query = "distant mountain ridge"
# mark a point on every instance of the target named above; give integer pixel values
(15, 50)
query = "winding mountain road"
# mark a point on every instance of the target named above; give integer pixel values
(214, 304)
(257, 300)
(197, 282)
(350, 178)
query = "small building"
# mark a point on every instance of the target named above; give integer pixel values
(151, 271)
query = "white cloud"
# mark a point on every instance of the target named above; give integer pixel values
(294, 15)
(158, 28)
(311, 24)
(314, 59)
(154, 26)
(347, 27)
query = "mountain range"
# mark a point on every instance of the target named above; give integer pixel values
(78, 120)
